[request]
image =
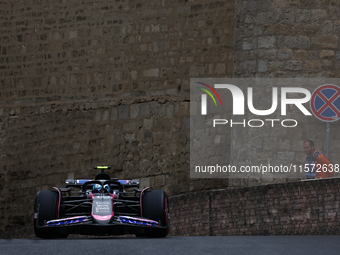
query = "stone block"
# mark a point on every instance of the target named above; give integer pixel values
(281, 29)
(313, 54)
(247, 67)
(162, 110)
(155, 28)
(266, 42)
(327, 64)
(185, 123)
(194, 71)
(325, 42)
(270, 144)
(220, 68)
(318, 14)
(260, 18)
(105, 115)
(302, 15)
(156, 93)
(312, 66)
(285, 54)
(301, 54)
(73, 34)
(134, 74)
(171, 92)
(326, 27)
(337, 27)
(262, 66)
(153, 107)
(294, 65)
(151, 72)
(97, 116)
(303, 42)
(257, 31)
(143, 47)
(247, 45)
(134, 111)
(147, 123)
(284, 145)
(287, 17)
(244, 55)
(311, 29)
(114, 113)
(267, 54)
(145, 182)
(291, 42)
(327, 53)
(144, 109)
(123, 111)
(297, 145)
(170, 110)
(130, 137)
(155, 46)
(129, 126)
(118, 75)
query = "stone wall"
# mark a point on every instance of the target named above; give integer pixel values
(107, 82)
(297, 208)
(285, 39)
(102, 82)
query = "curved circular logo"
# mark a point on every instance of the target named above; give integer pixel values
(325, 102)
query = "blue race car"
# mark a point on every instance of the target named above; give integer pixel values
(101, 206)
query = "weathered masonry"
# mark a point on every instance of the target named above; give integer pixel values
(107, 82)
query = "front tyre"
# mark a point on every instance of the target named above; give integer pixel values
(156, 207)
(45, 206)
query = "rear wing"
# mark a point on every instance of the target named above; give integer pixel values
(77, 183)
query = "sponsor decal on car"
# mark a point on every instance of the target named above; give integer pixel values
(139, 221)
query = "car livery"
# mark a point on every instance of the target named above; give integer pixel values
(101, 206)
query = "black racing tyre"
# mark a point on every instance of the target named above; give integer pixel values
(156, 207)
(45, 205)
(62, 235)
(140, 235)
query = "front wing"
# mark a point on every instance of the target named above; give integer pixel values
(119, 225)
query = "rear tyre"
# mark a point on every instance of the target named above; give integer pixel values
(156, 207)
(45, 206)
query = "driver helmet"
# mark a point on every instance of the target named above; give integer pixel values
(107, 187)
(96, 188)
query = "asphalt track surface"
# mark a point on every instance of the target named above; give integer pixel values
(262, 245)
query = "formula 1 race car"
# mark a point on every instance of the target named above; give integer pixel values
(102, 206)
